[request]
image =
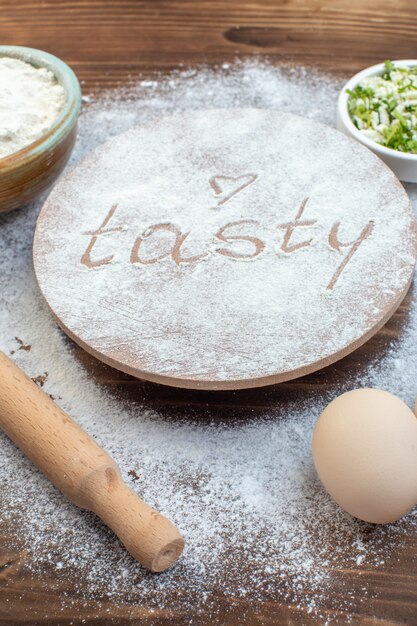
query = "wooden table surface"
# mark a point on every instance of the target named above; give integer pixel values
(106, 42)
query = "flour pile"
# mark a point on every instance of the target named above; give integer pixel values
(238, 482)
(30, 102)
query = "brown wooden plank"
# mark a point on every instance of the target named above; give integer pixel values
(106, 42)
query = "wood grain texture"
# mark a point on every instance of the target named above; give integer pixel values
(106, 42)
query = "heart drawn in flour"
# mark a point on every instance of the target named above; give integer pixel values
(230, 185)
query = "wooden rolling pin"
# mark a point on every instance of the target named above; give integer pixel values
(82, 470)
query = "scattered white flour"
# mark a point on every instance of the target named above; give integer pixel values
(30, 101)
(239, 482)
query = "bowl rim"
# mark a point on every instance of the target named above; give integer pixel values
(67, 116)
(346, 119)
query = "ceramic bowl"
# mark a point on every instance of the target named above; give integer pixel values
(403, 164)
(27, 173)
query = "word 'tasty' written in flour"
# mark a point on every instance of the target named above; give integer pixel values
(226, 235)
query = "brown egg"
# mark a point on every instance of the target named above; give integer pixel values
(365, 453)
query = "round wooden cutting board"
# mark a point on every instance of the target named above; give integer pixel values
(224, 249)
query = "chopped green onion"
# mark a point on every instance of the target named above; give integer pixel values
(384, 107)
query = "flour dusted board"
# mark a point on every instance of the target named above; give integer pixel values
(224, 249)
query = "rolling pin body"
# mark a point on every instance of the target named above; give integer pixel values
(82, 470)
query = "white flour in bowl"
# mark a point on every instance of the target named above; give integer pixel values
(30, 101)
(238, 482)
